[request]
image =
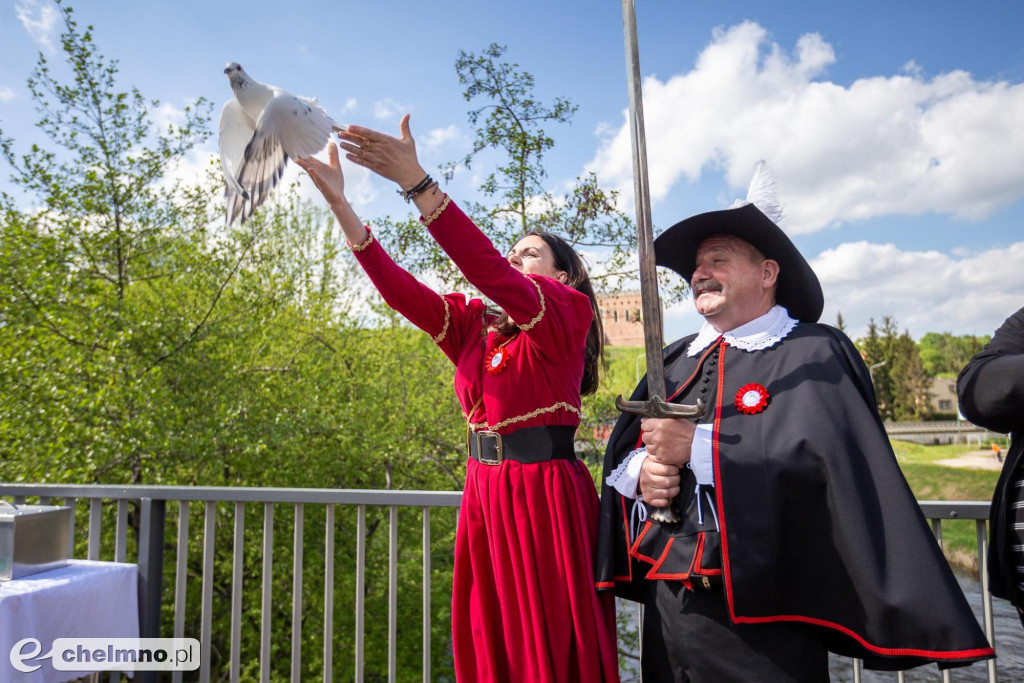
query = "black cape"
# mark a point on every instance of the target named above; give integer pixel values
(818, 524)
(991, 393)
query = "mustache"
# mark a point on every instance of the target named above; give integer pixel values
(706, 286)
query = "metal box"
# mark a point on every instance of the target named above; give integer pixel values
(33, 538)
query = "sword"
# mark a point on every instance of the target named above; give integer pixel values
(656, 405)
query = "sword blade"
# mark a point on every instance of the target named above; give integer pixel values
(650, 303)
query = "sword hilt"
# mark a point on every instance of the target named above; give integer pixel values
(659, 407)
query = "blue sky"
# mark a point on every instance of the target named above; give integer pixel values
(893, 128)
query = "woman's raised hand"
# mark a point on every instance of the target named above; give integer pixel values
(387, 156)
(328, 178)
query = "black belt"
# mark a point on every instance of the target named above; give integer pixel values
(528, 445)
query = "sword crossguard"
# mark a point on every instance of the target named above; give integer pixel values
(659, 407)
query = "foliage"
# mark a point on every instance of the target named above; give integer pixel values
(901, 385)
(946, 353)
(840, 322)
(142, 342)
(510, 122)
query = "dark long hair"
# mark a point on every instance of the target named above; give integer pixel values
(568, 260)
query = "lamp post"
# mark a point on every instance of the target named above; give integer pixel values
(871, 371)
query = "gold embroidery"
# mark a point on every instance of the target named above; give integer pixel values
(432, 217)
(447, 319)
(540, 411)
(364, 245)
(543, 307)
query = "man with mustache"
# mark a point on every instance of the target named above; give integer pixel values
(798, 533)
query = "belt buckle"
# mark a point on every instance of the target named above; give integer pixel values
(498, 449)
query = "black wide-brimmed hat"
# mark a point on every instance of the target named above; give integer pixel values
(798, 288)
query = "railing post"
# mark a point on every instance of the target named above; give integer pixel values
(151, 566)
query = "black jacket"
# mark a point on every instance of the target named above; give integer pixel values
(991, 393)
(818, 524)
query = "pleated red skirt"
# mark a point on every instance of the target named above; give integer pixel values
(524, 606)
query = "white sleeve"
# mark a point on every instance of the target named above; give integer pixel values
(627, 475)
(701, 460)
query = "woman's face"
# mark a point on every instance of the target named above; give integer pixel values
(533, 256)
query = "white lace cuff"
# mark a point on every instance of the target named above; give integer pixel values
(626, 476)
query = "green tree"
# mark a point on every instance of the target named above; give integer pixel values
(901, 384)
(911, 385)
(875, 351)
(510, 121)
(111, 229)
(946, 353)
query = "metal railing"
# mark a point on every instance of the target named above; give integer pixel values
(152, 512)
(152, 502)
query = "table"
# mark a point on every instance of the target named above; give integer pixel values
(84, 599)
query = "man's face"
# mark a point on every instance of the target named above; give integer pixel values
(732, 283)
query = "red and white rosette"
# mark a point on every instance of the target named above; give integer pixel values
(751, 399)
(496, 360)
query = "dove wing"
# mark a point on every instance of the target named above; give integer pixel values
(289, 127)
(236, 129)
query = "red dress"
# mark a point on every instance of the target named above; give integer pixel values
(524, 607)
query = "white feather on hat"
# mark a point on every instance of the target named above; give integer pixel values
(763, 192)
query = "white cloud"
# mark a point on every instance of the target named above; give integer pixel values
(901, 144)
(439, 136)
(6, 94)
(925, 291)
(39, 18)
(190, 170)
(388, 109)
(167, 115)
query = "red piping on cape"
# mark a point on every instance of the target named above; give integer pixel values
(891, 651)
(727, 573)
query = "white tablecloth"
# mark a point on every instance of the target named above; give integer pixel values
(82, 600)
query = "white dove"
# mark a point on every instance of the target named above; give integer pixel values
(260, 130)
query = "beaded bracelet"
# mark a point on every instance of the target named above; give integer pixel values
(421, 186)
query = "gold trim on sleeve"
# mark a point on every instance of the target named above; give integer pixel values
(447, 319)
(365, 244)
(543, 308)
(433, 217)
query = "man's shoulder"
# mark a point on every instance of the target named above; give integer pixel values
(679, 345)
(818, 333)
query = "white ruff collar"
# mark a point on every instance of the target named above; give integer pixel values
(760, 333)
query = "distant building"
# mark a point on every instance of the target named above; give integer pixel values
(623, 322)
(942, 396)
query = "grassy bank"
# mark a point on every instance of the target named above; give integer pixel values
(930, 480)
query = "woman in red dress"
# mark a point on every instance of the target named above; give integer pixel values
(524, 607)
